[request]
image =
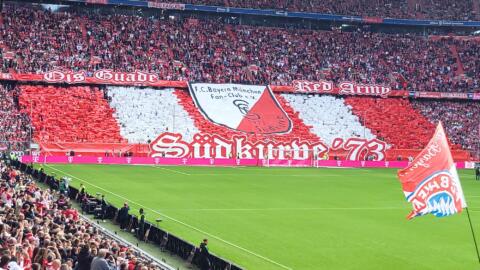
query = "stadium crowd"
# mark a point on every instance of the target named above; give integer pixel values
(468, 51)
(40, 231)
(212, 51)
(14, 125)
(460, 119)
(428, 9)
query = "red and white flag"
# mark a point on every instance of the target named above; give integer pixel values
(246, 108)
(431, 181)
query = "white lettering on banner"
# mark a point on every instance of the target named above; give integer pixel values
(351, 88)
(344, 88)
(300, 151)
(355, 146)
(58, 76)
(361, 149)
(428, 153)
(222, 148)
(101, 76)
(201, 146)
(106, 75)
(171, 145)
(243, 150)
(313, 87)
(152, 4)
(376, 148)
(260, 150)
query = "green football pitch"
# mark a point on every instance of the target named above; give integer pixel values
(292, 218)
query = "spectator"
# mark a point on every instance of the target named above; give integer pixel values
(204, 256)
(123, 216)
(100, 262)
(53, 239)
(84, 258)
(141, 225)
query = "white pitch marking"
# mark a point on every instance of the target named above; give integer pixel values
(170, 170)
(285, 209)
(263, 174)
(178, 221)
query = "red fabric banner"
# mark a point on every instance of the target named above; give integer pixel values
(139, 78)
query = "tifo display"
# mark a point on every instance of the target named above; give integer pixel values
(229, 120)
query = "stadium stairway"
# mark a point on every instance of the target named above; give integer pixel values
(454, 51)
(231, 34)
(299, 130)
(69, 114)
(411, 5)
(476, 8)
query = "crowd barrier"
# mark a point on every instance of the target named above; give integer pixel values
(220, 162)
(165, 240)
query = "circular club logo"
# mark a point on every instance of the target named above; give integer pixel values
(438, 195)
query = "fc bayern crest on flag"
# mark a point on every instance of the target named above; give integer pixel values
(246, 108)
(431, 183)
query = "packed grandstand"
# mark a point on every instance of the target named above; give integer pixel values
(100, 80)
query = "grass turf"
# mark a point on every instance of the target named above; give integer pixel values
(292, 218)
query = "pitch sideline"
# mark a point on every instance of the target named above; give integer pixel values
(285, 209)
(170, 170)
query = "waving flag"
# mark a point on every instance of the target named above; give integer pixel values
(431, 181)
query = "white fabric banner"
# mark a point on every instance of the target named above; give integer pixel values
(246, 108)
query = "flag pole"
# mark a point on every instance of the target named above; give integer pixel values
(473, 234)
